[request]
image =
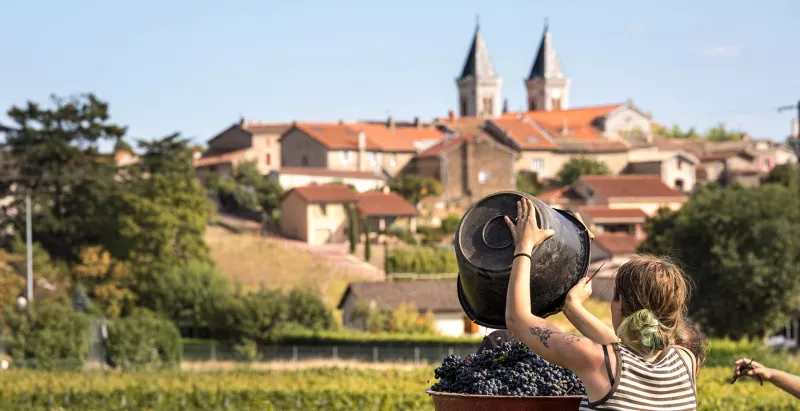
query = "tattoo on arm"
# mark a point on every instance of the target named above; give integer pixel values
(544, 335)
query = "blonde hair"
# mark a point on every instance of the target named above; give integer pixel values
(655, 293)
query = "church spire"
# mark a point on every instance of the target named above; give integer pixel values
(479, 86)
(546, 65)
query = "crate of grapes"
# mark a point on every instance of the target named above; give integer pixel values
(508, 377)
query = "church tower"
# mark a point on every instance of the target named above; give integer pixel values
(479, 86)
(548, 88)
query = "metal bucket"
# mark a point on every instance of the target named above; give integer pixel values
(484, 251)
(443, 401)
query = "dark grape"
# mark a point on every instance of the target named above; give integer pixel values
(508, 369)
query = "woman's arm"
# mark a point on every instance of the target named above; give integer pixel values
(541, 336)
(586, 323)
(783, 380)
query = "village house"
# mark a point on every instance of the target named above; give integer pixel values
(440, 297)
(361, 181)
(677, 169)
(352, 147)
(319, 214)
(645, 192)
(244, 141)
(602, 219)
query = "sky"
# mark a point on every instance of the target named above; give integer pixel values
(198, 66)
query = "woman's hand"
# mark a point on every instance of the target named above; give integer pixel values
(754, 370)
(580, 292)
(526, 232)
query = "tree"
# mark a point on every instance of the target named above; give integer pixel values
(52, 153)
(308, 311)
(785, 174)
(720, 133)
(367, 242)
(414, 188)
(351, 227)
(576, 167)
(108, 281)
(528, 182)
(740, 247)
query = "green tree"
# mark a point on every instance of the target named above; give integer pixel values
(351, 227)
(528, 182)
(367, 242)
(576, 167)
(308, 311)
(53, 154)
(266, 194)
(414, 188)
(785, 174)
(741, 248)
(720, 133)
(141, 340)
(108, 281)
(450, 223)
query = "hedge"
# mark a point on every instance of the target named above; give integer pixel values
(301, 337)
(422, 260)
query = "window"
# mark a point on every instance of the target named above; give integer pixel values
(488, 106)
(483, 177)
(373, 159)
(304, 161)
(323, 208)
(269, 159)
(393, 160)
(537, 165)
(532, 104)
(679, 184)
(463, 106)
(346, 156)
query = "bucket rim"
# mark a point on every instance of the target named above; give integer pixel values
(585, 264)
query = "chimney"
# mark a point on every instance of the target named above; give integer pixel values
(390, 122)
(795, 128)
(417, 123)
(451, 115)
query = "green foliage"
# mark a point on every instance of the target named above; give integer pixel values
(576, 167)
(143, 340)
(108, 282)
(267, 192)
(785, 174)
(367, 242)
(72, 185)
(398, 229)
(349, 337)
(528, 182)
(414, 188)
(191, 295)
(741, 248)
(246, 350)
(716, 133)
(450, 223)
(422, 260)
(405, 319)
(51, 335)
(308, 311)
(433, 237)
(351, 228)
(122, 145)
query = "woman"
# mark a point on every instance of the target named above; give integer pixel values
(781, 379)
(641, 367)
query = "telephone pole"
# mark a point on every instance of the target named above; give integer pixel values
(29, 240)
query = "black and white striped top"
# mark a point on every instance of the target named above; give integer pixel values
(666, 383)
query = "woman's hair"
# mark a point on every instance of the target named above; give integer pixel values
(655, 293)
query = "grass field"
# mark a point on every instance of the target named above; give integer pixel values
(252, 261)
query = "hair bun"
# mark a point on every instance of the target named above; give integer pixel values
(649, 330)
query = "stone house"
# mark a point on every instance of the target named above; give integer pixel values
(468, 166)
(728, 168)
(677, 169)
(603, 219)
(244, 141)
(644, 192)
(437, 296)
(319, 214)
(350, 147)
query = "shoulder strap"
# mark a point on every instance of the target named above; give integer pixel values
(608, 364)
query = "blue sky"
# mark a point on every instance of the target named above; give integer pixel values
(197, 66)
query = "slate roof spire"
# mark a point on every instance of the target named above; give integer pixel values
(546, 65)
(478, 63)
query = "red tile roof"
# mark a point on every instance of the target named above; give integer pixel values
(597, 213)
(577, 121)
(617, 244)
(440, 147)
(325, 193)
(598, 145)
(434, 295)
(341, 136)
(389, 139)
(382, 204)
(325, 172)
(523, 131)
(630, 186)
(214, 157)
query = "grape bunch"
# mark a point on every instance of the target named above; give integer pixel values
(508, 369)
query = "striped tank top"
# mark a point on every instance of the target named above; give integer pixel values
(666, 383)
